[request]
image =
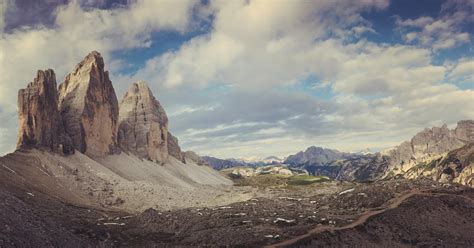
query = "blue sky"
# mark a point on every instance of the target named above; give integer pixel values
(259, 77)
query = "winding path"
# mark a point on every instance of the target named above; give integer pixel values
(394, 203)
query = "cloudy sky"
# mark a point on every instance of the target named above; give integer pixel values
(259, 77)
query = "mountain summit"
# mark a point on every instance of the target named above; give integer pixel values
(84, 115)
(143, 128)
(89, 107)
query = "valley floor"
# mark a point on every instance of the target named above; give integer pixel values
(407, 213)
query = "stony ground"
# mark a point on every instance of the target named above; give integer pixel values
(444, 216)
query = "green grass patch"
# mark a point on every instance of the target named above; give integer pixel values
(306, 179)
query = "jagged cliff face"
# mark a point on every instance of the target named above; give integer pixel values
(456, 166)
(428, 144)
(422, 156)
(409, 158)
(143, 124)
(465, 131)
(435, 141)
(39, 120)
(86, 116)
(174, 149)
(89, 107)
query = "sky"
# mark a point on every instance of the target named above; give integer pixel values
(254, 78)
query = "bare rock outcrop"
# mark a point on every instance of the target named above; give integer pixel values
(418, 157)
(174, 149)
(143, 124)
(456, 166)
(190, 155)
(426, 146)
(465, 130)
(435, 140)
(84, 115)
(89, 107)
(40, 124)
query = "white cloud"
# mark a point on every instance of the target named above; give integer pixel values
(285, 38)
(419, 22)
(463, 71)
(385, 70)
(256, 50)
(444, 32)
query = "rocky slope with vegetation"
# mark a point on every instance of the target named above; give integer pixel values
(426, 147)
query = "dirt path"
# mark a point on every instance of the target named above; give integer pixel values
(395, 202)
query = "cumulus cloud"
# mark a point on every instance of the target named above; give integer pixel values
(275, 37)
(256, 51)
(446, 31)
(462, 71)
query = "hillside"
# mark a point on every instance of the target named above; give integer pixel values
(427, 146)
(82, 145)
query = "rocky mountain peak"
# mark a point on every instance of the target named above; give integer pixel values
(89, 107)
(93, 59)
(84, 115)
(143, 124)
(465, 130)
(319, 150)
(40, 122)
(435, 140)
(315, 156)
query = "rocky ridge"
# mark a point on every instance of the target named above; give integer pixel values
(456, 166)
(427, 146)
(84, 115)
(190, 155)
(316, 156)
(220, 164)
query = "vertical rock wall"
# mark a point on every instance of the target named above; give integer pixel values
(89, 107)
(143, 124)
(39, 120)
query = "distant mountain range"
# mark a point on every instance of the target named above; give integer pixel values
(220, 164)
(423, 156)
(431, 144)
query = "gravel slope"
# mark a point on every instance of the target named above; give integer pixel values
(121, 182)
